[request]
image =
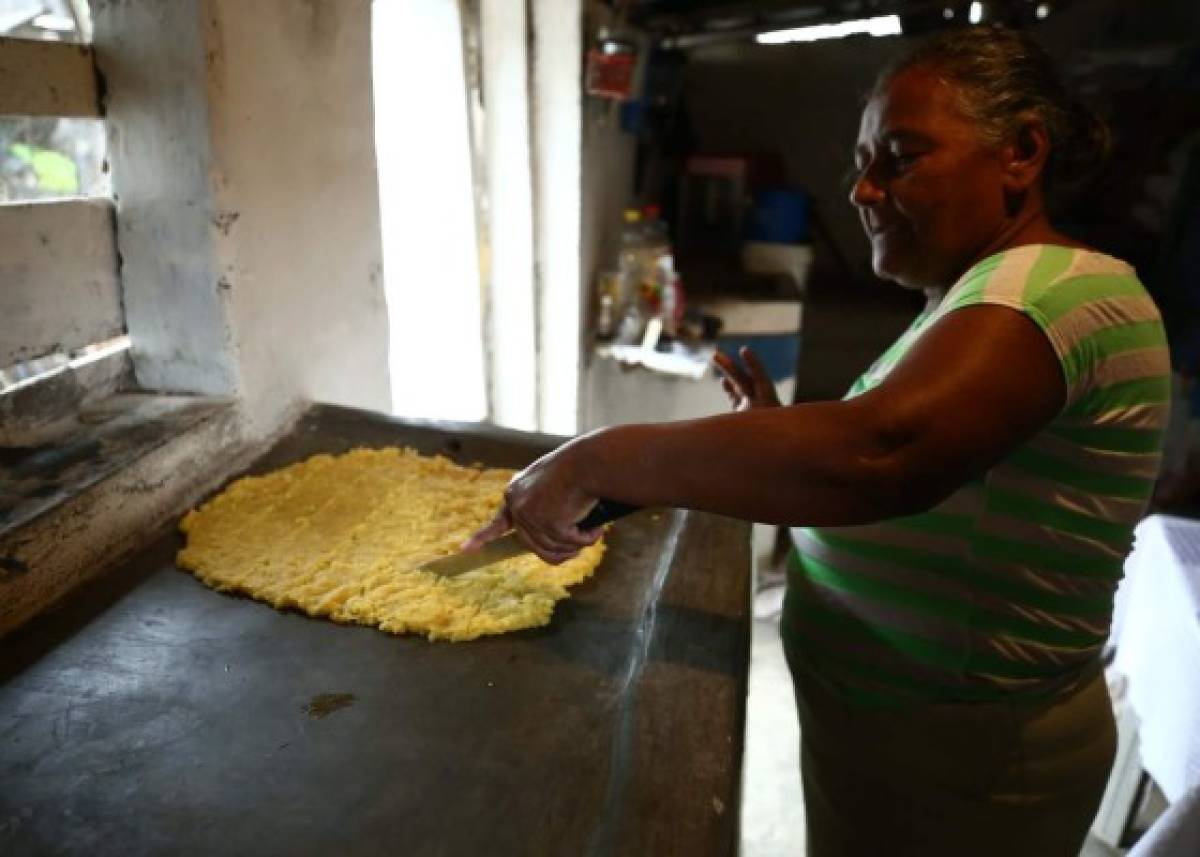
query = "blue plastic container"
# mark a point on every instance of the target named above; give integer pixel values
(779, 352)
(780, 216)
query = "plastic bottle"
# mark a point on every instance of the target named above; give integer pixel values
(657, 239)
(606, 323)
(630, 261)
(670, 300)
(632, 324)
(657, 263)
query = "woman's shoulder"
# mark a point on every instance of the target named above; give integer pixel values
(1091, 306)
(1054, 277)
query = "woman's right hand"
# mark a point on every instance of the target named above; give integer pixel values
(746, 383)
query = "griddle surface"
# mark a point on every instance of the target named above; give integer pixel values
(151, 715)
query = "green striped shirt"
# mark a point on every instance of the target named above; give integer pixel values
(1006, 587)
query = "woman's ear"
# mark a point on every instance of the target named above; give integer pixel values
(1025, 156)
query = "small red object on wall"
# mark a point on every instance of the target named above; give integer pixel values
(611, 64)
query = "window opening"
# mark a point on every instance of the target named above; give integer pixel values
(44, 158)
(46, 20)
(49, 157)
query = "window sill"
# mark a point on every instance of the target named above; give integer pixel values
(73, 505)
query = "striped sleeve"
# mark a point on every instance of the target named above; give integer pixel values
(1101, 323)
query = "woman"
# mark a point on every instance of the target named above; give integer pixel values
(967, 506)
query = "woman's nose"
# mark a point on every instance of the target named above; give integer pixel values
(866, 191)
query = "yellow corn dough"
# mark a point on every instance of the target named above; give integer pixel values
(342, 536)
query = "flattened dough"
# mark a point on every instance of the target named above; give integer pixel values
(342, 536)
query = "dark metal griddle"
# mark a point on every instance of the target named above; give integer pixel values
(151, 715)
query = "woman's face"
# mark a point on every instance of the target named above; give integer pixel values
(930, 193)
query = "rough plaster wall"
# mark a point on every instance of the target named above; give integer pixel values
(152, 57)
(242, 144)
(299, 239)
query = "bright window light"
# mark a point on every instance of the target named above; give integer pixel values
(1043, 11)
(883, 25)
(976, 13)
(58, 23)
(427, 209)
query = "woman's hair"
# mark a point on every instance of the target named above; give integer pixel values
(1001, 76)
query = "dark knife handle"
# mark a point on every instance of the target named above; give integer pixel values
(604, 512)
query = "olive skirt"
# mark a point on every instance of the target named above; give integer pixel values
(996, 779)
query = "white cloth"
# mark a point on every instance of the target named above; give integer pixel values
(1156, 631)
(693, 363)
(1176, 833)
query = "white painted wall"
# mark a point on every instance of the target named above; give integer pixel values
(242, 149)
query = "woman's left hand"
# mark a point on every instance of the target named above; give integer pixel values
(543, 503)
(747, 384)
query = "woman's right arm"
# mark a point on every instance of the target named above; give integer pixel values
(972, 390)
